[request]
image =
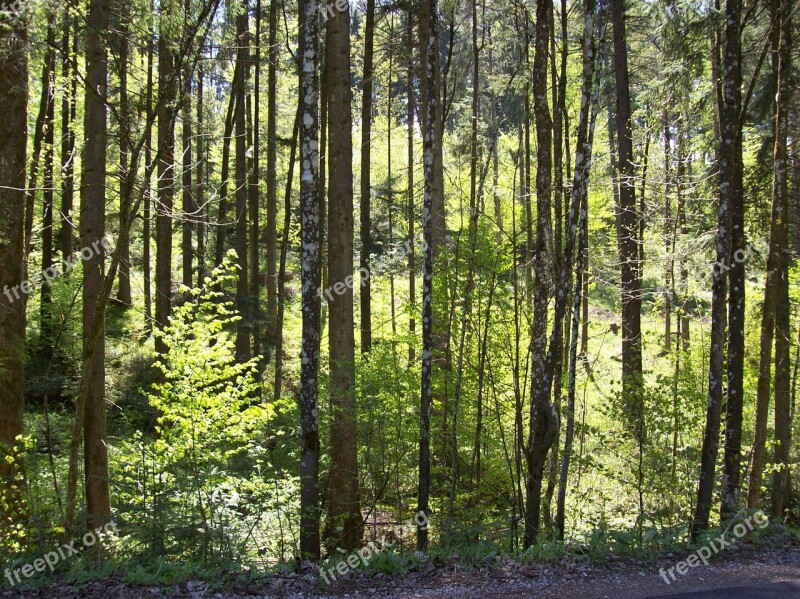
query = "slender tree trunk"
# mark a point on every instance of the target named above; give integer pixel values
(253, 203)
(68, 110)
(166, 170)
(92, 228)
(148, 193)
(222, 225)
(628, 218)
(670, 264)
(309, 210)
(201, 145)
(243, 327)
(13, 162)
(410, 117)
(188, 207)
(431, 108)
(366, 188)
(46, 336)
(729, 118)
(543, 420)
(590, 101)
(124, 290)
(272, 176)
(783, 433)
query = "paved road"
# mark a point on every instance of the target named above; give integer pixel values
(778, 590)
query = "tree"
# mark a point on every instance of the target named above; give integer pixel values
(166, 168)
(729, 187)
(432, 114)
(366, 188)
(344, 527)
(627, 232)
(13, 163)
(309, 256)
(92, 232)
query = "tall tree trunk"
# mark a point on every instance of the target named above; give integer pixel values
(166, 170)
(253, 203)
(628, 242)
(431, 111)
(590, 89)
(366, 188)
(48, 180)
(222, 225)
(729, 118)
(68, 111)
(344, 526)
(410, 117)
(92, 229)
(243, 327)
(670, 264)
(309, 230)
(124, 290)
(782, 475)
(188, 207)
(13, 162)
(543, 420)
(148, 184)
(272, 176)
(201, 145)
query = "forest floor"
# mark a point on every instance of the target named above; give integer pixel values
(743, 565)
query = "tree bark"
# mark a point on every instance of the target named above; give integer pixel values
(13, 163)
(628, 242)
(309, 230)
(729, 118)
(92, 230)
(344, 527)
(366, 188)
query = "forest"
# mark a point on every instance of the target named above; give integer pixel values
(419, 281)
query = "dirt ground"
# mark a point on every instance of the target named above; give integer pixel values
(738, 566)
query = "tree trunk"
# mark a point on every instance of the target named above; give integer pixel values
(243, 327)
(543, 420)
(431, 108)
(628, 242)
(309, 206)
(92, 229)
(13, 162)
(782, 475)
(68, 111)
(366, 188)
(46, 337)
(590, 102)
(124, 290)
(252, 201)
(272, 176)
(344, 526)
(410, 117)
(166, 171)
(729, 117)
(188, 207)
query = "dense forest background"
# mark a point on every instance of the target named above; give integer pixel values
(278, 279)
